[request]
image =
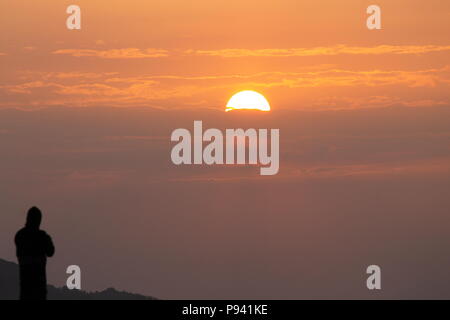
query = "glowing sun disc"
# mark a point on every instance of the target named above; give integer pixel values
(248, 100)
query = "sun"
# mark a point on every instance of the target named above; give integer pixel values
(248, 100)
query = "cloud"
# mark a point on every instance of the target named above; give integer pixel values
(126, 53)
(371, 78)
(320, 51)
(294, 171)
(428, 166)
(30, 75)
(111, 88)
(27, 87)
(136, 53)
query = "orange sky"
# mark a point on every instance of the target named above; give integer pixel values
(176, 54)
(365, 184)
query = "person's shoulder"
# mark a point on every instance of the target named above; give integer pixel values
(20, 232)
(43, 233)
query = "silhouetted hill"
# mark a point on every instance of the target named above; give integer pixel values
(9, 288)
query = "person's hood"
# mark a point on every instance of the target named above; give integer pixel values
(34, 218)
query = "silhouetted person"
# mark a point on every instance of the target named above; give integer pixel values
(33, 247)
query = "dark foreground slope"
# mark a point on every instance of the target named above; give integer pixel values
(9, 288)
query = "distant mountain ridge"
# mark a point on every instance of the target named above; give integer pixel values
(9, 288)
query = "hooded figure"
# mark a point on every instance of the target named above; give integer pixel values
(33, 247)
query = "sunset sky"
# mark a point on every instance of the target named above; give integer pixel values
(364, 118)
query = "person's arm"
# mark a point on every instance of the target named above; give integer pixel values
(19, 243)
(49, 247)
(16, 240)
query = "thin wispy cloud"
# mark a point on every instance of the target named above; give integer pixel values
(341, 77)
(320, 51)
(292, 171)
(136, 53)
(30, 75)
(124, 53)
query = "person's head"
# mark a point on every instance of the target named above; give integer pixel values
(34, 218)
